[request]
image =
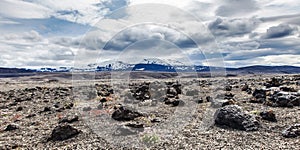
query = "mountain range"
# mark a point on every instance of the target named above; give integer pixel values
(157, 65)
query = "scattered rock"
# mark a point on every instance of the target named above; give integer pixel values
(228, 88)
(46, 109)
(221, 103)
(268, 115)
(209, 98)
(30, 116)
(174, 102)
(259, 96)
(100, 106)
(63, 132)
(103, 100)
(245, 87)
(19, 108)
(292, 131)
(233, 117)
(275, 82)
(199, 100)
(68, 105)
(126, 130)
(287, 89)
(155, 120)
(125, 114)
(284, 99)
(69, 119)
(86, 109)
(11, 127)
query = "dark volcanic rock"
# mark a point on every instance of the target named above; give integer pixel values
(228, 88)
(268, 115)
(259, 96)
(63, 132)
(11, 127)
(209, 98)
(125, 114)
(287, 89)
(275, 82)
(284, 99)
(174, 102)
(19, 108)
(292, 131)
(233, 117)
(245, 87)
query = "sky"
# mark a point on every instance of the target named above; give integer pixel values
(230, 33)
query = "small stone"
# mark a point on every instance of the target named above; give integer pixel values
(228, 88)
(199, 101)
(100, 106)
(268, 115)
(69, 119)
(155, 120)
(174, 103)
(46, 109)
(292, 131)
(30, 116)
(209, 98)
(87, 109)
(11, 127)
(245, 87)
(19, 108)
(103, 100)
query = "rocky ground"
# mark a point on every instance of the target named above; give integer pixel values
(247, 112)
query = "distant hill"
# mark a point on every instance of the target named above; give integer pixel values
(265, 69)
(153, 67)
(16, 70)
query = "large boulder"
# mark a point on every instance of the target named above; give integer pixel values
(233, 117)
(125, 114)
(63, 132)
(284, 99)
(259, 96)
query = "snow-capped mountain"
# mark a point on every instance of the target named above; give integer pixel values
(149, 64)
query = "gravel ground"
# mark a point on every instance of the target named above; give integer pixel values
(36, 107)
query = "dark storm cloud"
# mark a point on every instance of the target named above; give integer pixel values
(287, 44)
(236, 7)
(232, 27)
(279, 31)
(264, 47)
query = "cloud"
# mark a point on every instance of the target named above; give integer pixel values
(52, 32)
(232, 27)
(269, 60)
(48, 26)
(145, 32)
(22, 9)
(236, 7)
(80, 11)
(31, 49)
(280, 31)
